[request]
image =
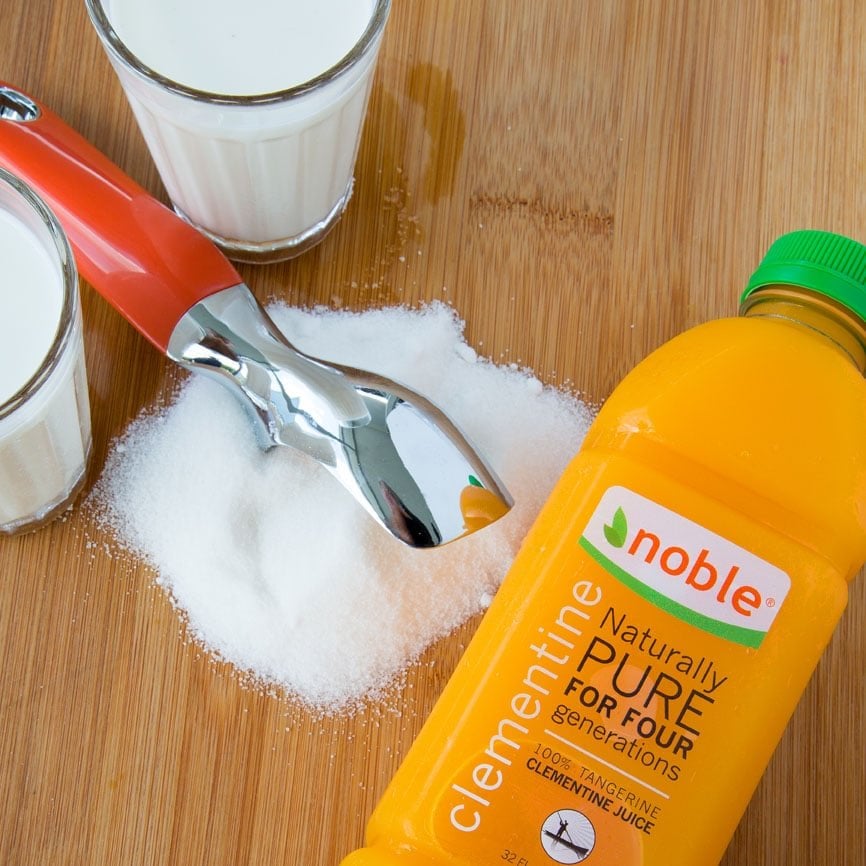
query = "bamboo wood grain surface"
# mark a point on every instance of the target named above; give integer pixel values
(581, 181)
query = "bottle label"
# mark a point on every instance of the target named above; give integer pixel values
(626, 684)
(624, 724)
(685, 569)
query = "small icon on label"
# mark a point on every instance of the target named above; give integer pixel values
(567, 836)
(616, 531)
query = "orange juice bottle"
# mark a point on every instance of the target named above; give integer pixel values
(626, 689)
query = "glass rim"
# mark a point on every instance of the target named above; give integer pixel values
(119, 50)
(69, 309)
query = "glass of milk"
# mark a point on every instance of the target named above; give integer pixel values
(44, 411)
(252, 109)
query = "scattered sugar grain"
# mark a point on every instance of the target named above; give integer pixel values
(274, 567)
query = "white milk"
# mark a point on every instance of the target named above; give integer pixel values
(255, 175)
(240, 47)
(45, 437)
(31, 297)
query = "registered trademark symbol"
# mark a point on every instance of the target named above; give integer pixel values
(771, 602)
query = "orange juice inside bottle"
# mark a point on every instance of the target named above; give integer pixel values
(625, 691)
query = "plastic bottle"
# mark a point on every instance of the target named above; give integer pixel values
(625, 691)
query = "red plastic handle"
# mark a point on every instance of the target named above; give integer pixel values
(138, 254)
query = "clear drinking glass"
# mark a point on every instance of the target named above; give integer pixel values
(264, 176)
(45, 436)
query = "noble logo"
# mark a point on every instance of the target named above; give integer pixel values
(684, 568)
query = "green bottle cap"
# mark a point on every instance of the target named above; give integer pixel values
(830, 264)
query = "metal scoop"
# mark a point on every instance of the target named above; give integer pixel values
(399, 455)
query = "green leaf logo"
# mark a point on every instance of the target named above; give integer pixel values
(617, 530)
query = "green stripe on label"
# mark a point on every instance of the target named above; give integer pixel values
(737, 634)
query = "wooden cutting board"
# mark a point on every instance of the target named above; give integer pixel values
(581, 181)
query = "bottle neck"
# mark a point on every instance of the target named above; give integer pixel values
(809, 309)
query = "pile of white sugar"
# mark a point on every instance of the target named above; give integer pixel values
(274, 566)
